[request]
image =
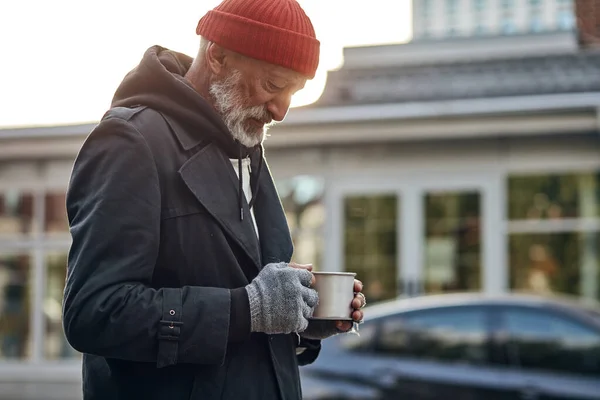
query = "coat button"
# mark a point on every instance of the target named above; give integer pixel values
(172, 312)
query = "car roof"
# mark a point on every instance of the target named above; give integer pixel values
(479, 298)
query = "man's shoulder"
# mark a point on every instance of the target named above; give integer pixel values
(147, 122)
(137, 116)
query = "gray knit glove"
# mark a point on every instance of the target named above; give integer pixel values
(280, 299)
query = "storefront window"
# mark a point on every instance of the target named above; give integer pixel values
(55, 221)
(453, 244)
(16, 213)
(554, 196)
(15, 285)
(302, 199)
(370, 247)
(55, 343)
(553, 248)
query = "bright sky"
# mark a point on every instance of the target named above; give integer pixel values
(61, 60)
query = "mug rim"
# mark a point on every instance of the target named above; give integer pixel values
(334, 273)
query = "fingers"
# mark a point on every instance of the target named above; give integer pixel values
(310, 296)
(359, 301)
(301, 266)
(307, 312)
(303, 324)
(306, 277)
(358, 285)
(307, 267)
(343, 326)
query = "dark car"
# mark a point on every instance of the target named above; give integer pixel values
(464, 346)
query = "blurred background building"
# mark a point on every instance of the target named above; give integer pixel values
(465, 160)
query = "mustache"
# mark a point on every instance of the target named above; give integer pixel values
(259, 113)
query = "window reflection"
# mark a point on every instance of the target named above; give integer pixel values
(15, 281)
(370, 243)
(16, 213)
(302, 199)
(453, 245)
(555, 263)
(452, 335)
(56, 221)
(55, 343)
(363, 342)
(545, 341)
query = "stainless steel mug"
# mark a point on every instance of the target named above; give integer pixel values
(336, 292)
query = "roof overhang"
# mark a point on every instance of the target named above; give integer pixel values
(507, 116)
(356, 124)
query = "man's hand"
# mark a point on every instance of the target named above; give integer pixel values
(308, 267)
(281, 300)
(358, 302)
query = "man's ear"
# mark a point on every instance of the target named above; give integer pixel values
(215, 58)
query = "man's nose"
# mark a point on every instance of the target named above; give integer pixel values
(279, 107)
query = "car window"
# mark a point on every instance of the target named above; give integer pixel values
(360, 341)
(456, 334)
(547, 340)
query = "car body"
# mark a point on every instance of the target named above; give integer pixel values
(464, 346)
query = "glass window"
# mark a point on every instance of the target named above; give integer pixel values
(507, 21)
(508, 26)
(363, 342)
(302, 199)
(55, 343)
(543, 340)
(479, 5)
(565, 20)
(551, 248)
(556, 263)
(16, 213)
(536, 24)
(446, 334)
(56, 221)
(453, 245)
(452, 17)
(15, 307)
(426, 8)
(370, 247)
(537, 197)
(536, 21)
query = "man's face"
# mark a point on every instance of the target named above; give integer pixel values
(251, 96)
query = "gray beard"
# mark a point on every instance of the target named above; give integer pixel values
(228, 100)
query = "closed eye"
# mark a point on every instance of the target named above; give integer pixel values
(272, 86)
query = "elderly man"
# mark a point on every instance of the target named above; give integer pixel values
(179, 281)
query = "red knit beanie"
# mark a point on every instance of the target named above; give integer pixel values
(275, 31)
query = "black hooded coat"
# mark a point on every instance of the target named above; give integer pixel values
(163, 245)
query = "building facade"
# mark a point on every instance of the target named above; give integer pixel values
(435, 19)
(457, 164)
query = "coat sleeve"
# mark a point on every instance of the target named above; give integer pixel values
(109, 308)
(307, 351)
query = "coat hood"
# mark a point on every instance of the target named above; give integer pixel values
(158, 82)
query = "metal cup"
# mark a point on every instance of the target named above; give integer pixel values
(336, 292)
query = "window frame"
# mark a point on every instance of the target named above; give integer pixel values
(38, 244)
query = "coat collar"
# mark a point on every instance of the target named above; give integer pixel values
(276, 242)
(210, 177)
